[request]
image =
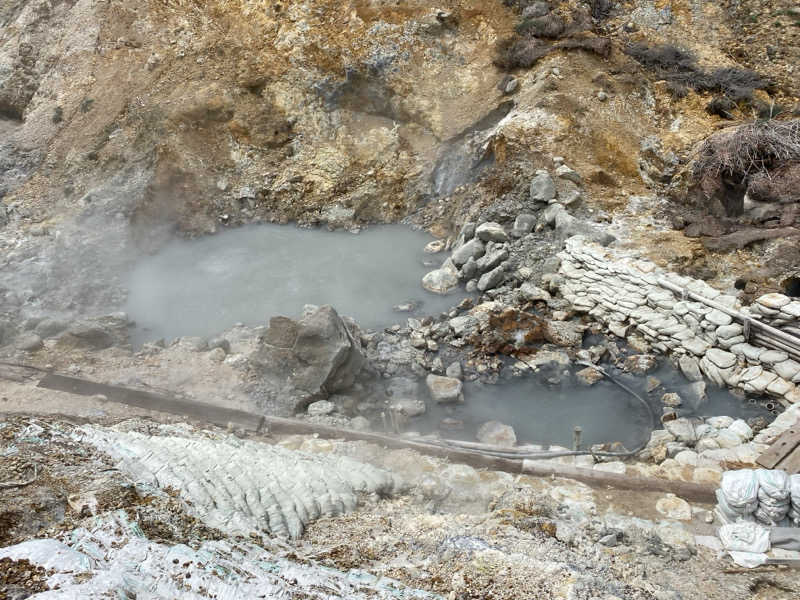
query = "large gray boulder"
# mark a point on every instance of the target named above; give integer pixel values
(310, 359)
(96, 333)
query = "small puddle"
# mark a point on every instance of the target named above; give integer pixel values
(541, 413)
(203, 286)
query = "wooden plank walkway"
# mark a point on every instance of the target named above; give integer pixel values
(784, 452)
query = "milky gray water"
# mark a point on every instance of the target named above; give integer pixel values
(546, 414)
(206, 285)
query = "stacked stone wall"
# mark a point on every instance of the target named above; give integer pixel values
(624, 293)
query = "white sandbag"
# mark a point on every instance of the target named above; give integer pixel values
(764, 499)
(774, 483)
(770, 516)
(740, 489)
(794, 487)
(744, 537)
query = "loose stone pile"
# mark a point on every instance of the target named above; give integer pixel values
(624, 293)
(481, 251)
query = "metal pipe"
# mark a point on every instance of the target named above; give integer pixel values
(776, 345)
(777, 333)
(576, 437)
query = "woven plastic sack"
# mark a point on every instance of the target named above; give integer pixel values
(730, 514)
(774, 483)
(740, 489)
(769, 515)
(764, 499)
(744, 537)
(794, 487)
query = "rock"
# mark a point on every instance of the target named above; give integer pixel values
(652, 384)
(696, 346)
(536, 9)
(773, 301)
(491, 232)
(686, 457)
(532, 293)
(523, 224)
(563, 333)
(497, 434)
(673, 507)
(301, 361)
(570, 197)
(220, 343)
(444, 389)
(491, 259)
(671, 399)
(321, 407)
(690, 367)
(28, 342)
(542, 188)
(471, 249)
(454, 370)
(551, 213)
(619, 330)
(491, 279)
(96, 333)
(682, 429)
(780, 387)
(720, 422)
(729, 331)
(443, 279)
(728, 439)
(469, 270)
(611, 540)
(742, 429)
(565, 172)
(589, 376)
(722, 359)
(719, 318)
(788, 369)
(410, 407)
(418, 340)
(568, 226)
(435, 246)
(463, 325)
(467, 231)
(772, 357)
(217, 355)
(639, 364)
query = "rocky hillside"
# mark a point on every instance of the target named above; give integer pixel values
(201, 114)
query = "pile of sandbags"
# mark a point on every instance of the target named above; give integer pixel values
(794, 510)
(761, 495)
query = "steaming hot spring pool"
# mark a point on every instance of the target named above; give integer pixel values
(203, 286)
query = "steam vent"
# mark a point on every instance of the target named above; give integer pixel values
(393, 299)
